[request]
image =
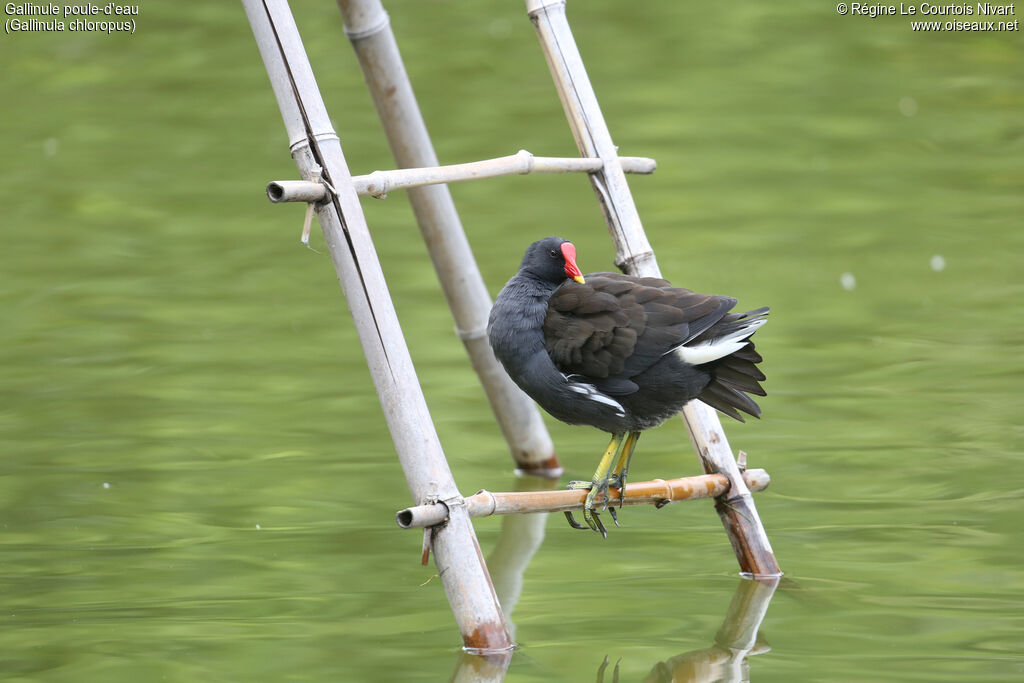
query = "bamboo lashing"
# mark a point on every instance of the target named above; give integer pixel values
(656, 492)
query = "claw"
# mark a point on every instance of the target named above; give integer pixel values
(604, 477)
(592, 519)
(596, 524)
(573, 523)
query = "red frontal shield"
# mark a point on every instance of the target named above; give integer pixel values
(571, 269)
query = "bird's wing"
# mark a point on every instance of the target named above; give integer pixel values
(615, 326)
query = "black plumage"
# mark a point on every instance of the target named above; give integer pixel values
(617, 352)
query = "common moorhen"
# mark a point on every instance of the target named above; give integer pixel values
(620, 353)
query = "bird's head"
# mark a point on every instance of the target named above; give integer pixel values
(552, 259)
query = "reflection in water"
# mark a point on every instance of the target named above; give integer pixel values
(520, 538)
(724, 660)
(482, 668)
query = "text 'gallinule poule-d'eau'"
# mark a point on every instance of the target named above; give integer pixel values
(620, 353)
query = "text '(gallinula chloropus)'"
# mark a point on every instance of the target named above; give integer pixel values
(620, 353)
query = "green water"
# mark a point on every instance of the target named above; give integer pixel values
(197, 483)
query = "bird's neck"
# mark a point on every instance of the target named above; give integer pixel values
(517, 319)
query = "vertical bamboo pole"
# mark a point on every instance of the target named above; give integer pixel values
(738, 514)
(313, 142)
(368, 27)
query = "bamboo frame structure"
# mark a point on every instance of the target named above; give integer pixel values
(316, 149)
(369, 30)
(635, 256)
(332, 192)
(657, 492)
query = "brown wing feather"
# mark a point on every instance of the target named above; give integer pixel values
(614, 327)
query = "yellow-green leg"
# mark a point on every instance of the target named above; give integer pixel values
(598, 485)
(621, 469)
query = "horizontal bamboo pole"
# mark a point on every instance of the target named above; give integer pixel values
(379, 183)
(657, 492)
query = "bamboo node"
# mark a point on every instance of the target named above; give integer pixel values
(470, 335)
(628, 264)
(381, 23)
(535, 7)
(527, 159)
(377, 185)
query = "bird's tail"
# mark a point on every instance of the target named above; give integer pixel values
(736, 374)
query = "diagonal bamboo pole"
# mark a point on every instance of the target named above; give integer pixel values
(368, 27)
(737, 512)
(314, 144)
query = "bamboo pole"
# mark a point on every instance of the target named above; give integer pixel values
(379, 183)
(315, 148)
(296, 191)
(368, 28)
(658, 492)
(635, 256)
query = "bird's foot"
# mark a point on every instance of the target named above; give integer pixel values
(617, 481)
(590, 516)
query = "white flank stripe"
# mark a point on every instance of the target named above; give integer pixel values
(591, 392)
(721, 347)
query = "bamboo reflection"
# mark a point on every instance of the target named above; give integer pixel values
(726, 659)
(736, 640)
(520, 538)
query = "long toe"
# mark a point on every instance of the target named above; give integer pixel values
(592, 519)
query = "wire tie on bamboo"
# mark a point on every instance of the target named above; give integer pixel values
(428, 532)
(305, 141)
(314, 191)
(307, 223)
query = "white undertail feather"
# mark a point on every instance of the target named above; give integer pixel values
(720, 347)
(591, 392)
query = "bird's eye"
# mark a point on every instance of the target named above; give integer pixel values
(553, 254)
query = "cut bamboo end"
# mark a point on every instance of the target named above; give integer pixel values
(657, 492)
(295, 191)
